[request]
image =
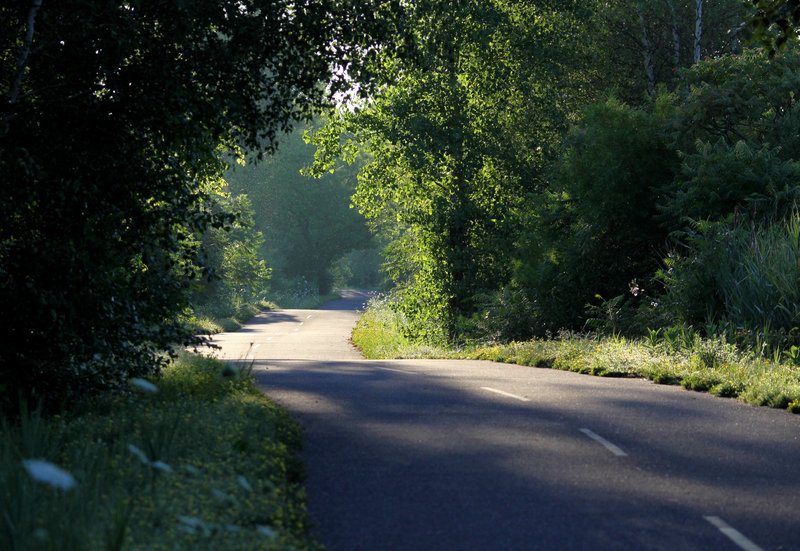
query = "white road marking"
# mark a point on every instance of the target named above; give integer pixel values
(255, 346)
(308, 317)
(733, 534)
(302, 323)
(508, 394)
(608, 445)
(268, 339)
(395, 370)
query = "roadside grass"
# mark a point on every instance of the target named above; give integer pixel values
(196, 459)
(211, 320)
(379, 334)
(705, 365)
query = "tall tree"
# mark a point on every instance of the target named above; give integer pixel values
(112, 115)
(457, 138)
(642, 44)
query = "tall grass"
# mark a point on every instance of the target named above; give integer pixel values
(381, 332)
(745, 282)
(205, 462)
(761, 283)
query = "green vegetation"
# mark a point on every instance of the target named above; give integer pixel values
(625, 171)
(674, 356)
(111, 134)
(226, 319)
(196, 459)
(624, 176)
(599, 196)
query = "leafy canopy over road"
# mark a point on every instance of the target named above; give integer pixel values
(112, 119)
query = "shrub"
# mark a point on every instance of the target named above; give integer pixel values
(748, 278)
(597, 229)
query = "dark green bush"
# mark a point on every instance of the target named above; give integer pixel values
(597, 230)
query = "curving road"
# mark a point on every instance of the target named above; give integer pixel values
(468, 455)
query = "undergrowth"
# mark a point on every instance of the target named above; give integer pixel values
(197, 459)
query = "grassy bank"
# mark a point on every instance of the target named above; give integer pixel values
(201, 460)
(676, 357)
(216, 319)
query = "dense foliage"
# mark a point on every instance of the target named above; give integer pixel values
(523, 160)
(237, 274)
(456, 139)
(546, 166)
(112, 115)
(718, 175)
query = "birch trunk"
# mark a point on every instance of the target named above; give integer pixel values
(698, 30)
(647, 49)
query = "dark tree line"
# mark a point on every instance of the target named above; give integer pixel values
(112, 119)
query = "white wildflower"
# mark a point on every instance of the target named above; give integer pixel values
(267, 531)
(244, 483)
(138, 453)
(161, 466)
(144, 386)
(48, 473)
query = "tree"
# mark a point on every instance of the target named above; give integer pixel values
(456, 138)
(230, 255)
(596, 228)
(112, 116)
(640, 45)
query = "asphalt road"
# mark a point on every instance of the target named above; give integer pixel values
(469, 455)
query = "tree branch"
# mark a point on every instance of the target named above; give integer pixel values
(26, 49)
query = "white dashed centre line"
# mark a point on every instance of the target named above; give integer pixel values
(308, 317)
(255, 346)
(733, 534)
(507, 394)
(608, 445)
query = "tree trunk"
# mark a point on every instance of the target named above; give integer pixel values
(676, 39)
(698, 30)
(647, 53)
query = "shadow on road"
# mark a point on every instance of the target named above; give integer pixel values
(352, 299)
(409, 460)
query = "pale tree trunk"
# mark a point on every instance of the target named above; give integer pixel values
(698, 30)
(647, 49)
(676, 39)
